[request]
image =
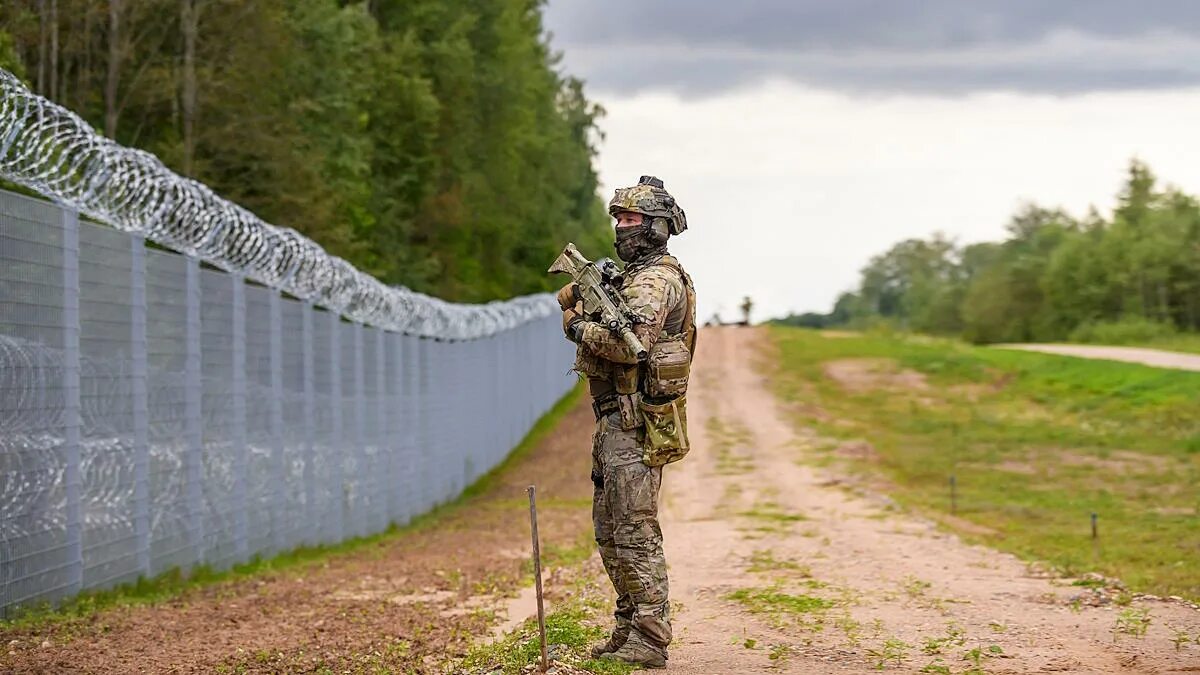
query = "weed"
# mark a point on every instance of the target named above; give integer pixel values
(725, 439)
(779, 653)
(764, 560)
(1131, 621)
(936, 666)
(769, 599)
(893, 650)
(914, 587)
(954, 637)
(566, 628)
(977, 655)
(1181, 638)
(779, 607)
(851, 627)
(750, 643)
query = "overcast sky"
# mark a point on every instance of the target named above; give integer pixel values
(803, 137)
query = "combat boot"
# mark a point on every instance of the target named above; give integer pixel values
(638, 652)
(615, 641)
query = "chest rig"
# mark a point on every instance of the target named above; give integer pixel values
(662, 377)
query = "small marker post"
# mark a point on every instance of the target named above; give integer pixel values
(537, 576)
(953, 495)
(1095, 530)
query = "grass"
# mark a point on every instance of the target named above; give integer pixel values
(764, 560)
(1036, 443)
(175, 582)
(571, 629)
(726, 437)
(1183, 342)
(781, 608)
(568, 630)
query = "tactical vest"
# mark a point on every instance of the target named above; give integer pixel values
(670, 364)
(651, 396)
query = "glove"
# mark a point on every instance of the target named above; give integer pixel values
(567, 296)
(572, 318)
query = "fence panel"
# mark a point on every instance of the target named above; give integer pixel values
(157, 413)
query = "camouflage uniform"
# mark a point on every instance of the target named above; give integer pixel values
(625, 499)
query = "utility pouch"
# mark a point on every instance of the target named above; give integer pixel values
(666, 431)
(625, 378)
(667, 368)
(627, 407)
(590, 365)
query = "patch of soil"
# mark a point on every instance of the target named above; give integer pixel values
(405, 604)
(857, 450)
(1118, 461)
(863, 375)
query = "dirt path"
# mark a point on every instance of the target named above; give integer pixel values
(1149, 357)
(742, 512)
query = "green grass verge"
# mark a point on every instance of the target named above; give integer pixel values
(1035, 442)
(174, 583)
(1184, 342)
(570, 632)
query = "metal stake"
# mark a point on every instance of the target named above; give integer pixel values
(537, 575)
(953, 495)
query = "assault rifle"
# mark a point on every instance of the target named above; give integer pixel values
(598, 283)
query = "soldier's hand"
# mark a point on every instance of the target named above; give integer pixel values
(567, 296)
(572, 318)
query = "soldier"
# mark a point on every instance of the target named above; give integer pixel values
(641, 415)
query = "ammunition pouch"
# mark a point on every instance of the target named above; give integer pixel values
(667, 369)
(590, 365)
(666, 438)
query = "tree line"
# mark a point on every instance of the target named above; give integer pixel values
(431, 143)
(1055, 277)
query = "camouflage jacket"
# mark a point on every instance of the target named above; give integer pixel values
(655, 291)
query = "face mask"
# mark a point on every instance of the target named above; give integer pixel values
(630, 242)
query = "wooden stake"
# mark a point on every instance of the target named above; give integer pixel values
(537, 575)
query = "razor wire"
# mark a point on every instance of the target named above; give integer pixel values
(53, 151)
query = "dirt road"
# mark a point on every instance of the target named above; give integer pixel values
(1149, 357)
(844, 583)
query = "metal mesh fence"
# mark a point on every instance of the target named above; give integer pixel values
(158, 413)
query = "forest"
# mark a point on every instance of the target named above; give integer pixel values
(1134, 277)
(435, 144)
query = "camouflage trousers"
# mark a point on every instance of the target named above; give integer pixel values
(625, 517)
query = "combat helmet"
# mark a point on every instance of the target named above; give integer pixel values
(662, 215)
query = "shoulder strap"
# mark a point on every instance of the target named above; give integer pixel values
(689, 310)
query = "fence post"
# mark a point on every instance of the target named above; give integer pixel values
(278, 465)
(383, 450)
(360, 492)
(193, 432)
(310, 425)
(337, 490)
(423, 450)
(400, 422)
(72, 421)
(140, 403)
(241, 504)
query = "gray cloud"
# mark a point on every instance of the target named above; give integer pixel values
(697, 47)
